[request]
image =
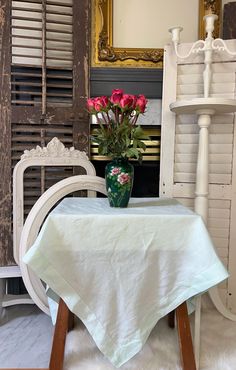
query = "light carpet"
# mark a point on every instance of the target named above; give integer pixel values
(161, 352)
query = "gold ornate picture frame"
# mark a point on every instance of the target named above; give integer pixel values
(105, 54)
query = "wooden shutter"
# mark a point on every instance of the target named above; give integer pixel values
(5, 137)
(183, 80)
(49, 84)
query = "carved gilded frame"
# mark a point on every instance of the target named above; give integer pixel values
(105, 54)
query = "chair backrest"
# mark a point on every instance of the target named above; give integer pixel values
(54, 154)
(35, 219)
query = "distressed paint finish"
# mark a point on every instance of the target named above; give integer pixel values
(33, 115)
(6, 257)
(81, 26)
(24, 114)
(40, 120)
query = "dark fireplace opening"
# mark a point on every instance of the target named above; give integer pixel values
(146, 173)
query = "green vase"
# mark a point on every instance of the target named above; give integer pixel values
(119, 176)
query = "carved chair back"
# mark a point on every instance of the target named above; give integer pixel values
(54, 154)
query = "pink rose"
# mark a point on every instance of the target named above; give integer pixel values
(101, 104)
(127, 101)
(123, 178)
(116, 96)
(115, 171)
(141, 103)
(90, 104)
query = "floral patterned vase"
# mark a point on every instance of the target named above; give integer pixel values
(119, 182)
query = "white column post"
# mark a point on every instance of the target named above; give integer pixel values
(201, 202)
(202, 181)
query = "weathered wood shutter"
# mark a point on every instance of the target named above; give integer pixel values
(5, 136)
(49, 84)
(183, 80)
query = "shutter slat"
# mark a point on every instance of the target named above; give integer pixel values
(213, 168)
(213, 178)
(213, 158)
(216, 223)
(191, 78)
(213, 148)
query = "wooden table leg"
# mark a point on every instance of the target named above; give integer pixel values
(185, 338)
(59, 338)
(171, 319)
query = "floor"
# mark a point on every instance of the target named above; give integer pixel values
(25, 337)
(161, 351)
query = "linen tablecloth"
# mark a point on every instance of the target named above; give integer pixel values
(121, 269)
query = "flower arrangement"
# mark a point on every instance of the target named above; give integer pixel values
(119, 136)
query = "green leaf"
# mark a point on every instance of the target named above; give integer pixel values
(132, 152)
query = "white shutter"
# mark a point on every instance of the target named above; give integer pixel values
(184, 80)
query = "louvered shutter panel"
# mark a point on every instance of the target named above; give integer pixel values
(49, 85)
(184, 80)
(5, 136)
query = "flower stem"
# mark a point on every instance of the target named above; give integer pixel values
(135, 119)
(117, 115)
(99, 121)
(104, 118)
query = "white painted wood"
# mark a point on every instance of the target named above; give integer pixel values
(213, 148)
(35, 219)
(204, 108)
(10, 271)
(193, 138)
(213, 178)
(189, 100)
(13, 299)
(232, 239)
(202, 174)
(196, 78)
(217, 121)
(219, 173)
(168, 122)
(54, 154)
(216, 105)
(201, 192)
(2, 292)
(200, 96)
(198, 89)
(213, 168)
(196, 59)
(181, 190)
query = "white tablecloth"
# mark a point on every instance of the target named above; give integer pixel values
(121, 270)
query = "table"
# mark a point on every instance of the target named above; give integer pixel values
(121, 270)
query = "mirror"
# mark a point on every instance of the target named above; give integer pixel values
(115, 31)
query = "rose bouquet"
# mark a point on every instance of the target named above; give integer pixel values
(118, 135)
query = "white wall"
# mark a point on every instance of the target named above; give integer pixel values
(143, 24)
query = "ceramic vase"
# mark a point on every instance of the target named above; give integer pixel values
(119, 175)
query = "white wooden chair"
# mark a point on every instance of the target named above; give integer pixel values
(35, 219)
(54, 154)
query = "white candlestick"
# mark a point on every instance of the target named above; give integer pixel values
(175, 32)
